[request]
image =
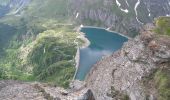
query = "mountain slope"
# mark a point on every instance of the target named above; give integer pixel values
(38, 46)
(139, 71)
(38, 43)
(124, 16)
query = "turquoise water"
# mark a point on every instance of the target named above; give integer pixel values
(103, 43)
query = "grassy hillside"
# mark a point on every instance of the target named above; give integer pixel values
(162, 80)
(44, 54)
(52, 9)
(52, 56)
(38, 45)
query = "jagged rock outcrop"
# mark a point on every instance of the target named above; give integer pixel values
(123, 72)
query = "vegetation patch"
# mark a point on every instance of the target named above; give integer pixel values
(52, 58)
(162, 26)
(37, 49)
(162, 80)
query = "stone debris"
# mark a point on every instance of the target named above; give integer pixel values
(15, 90)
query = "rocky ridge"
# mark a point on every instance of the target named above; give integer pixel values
(121, 75)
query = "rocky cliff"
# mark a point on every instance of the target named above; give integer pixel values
(139, 71)
(124, 16)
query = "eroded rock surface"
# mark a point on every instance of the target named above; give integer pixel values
(15, 90)
(124, 71)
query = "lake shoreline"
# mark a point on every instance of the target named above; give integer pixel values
(87, 43)
(106, 30)
(77, 62)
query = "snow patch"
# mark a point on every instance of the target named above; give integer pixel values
(81, 25)
(118, 3)
(136, 6)
(127, 3)
(77, 15)
(149, 12)
(125, 10)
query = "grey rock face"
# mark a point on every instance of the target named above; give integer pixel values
(125, 16)
(88, 96)
(126, 69)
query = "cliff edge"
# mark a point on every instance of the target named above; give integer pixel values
(139, 71)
